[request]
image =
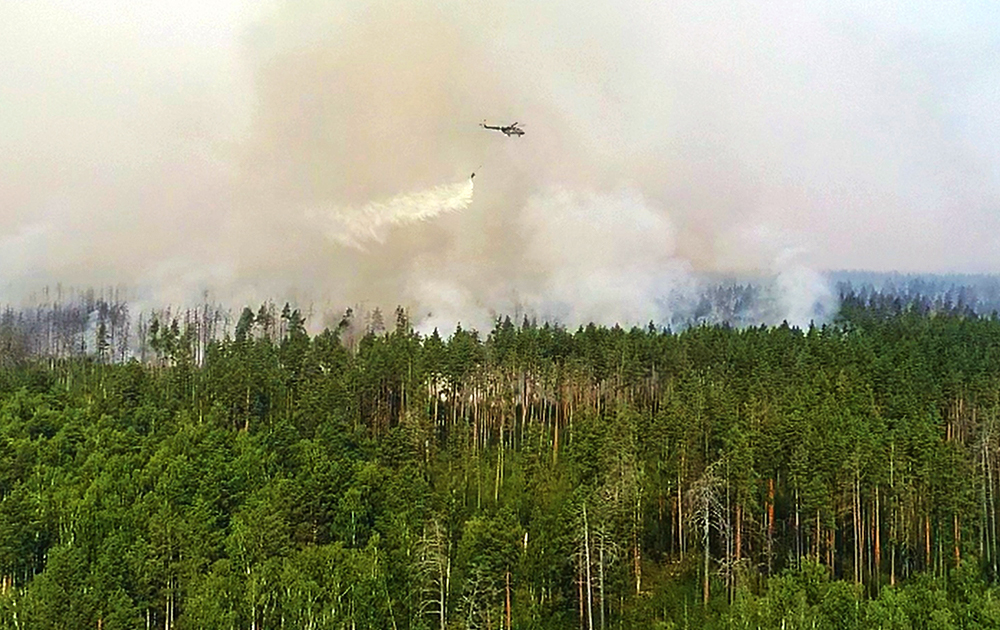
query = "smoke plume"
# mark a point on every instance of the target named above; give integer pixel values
(310, 151)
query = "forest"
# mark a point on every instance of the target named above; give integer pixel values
(844, 475)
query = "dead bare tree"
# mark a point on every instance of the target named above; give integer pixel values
(434, 567)
(708, 512)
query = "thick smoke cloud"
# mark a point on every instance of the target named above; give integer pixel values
(263, 150)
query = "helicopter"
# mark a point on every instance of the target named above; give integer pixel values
(508, 130)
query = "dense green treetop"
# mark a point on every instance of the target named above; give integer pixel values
(840, 476)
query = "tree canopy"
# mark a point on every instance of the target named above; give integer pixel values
(840, 476)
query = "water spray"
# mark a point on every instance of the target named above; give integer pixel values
(355, 227)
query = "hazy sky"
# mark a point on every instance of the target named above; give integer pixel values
(188, 146)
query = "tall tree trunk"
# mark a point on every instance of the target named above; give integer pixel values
(555, 437)
(819, 537)
(992, 523)
(636, 547)
(894, 533)
(437, 401)
(878, 538)
(680, 509)
(590, 584)
(798, 532)
(958, 541)
(770, 524)
(738, 549)
(600, 569)
(984, 529)
(831, 548)
(929, 560)
(507, 604)
(705, 541)
(246, 419)
(443, 593)
(857, 530)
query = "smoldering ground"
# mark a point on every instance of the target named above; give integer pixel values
(254, 150)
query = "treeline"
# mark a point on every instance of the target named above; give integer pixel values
(109, 324)
(101, 324)
(969, 293)
(843, 476)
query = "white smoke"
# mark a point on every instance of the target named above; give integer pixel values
(446, 303)
(804, 296)
(582, 256)
(595, 257)
(793, 290)
(162, 147)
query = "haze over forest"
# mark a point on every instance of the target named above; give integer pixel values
(232, 146)
(288, 340)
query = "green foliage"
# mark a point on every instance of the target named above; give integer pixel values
(836, 477)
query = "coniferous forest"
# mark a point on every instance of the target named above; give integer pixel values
(529, 476)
